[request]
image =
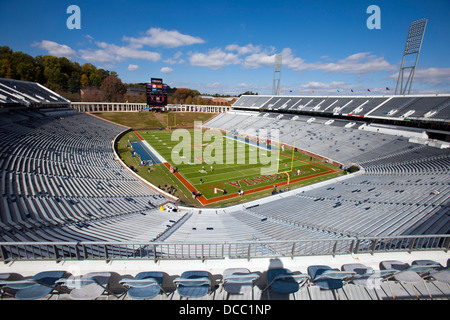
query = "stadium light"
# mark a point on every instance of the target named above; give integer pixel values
(277, 75)
(413, 46)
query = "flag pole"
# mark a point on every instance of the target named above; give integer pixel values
(278, 162)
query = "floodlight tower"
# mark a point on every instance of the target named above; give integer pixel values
(413, 46)
(277, 75)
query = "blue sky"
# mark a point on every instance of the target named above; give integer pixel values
(229, 46)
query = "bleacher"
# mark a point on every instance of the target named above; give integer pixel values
(370, 204)
(61, 182)
(432, 107)
(28, 94)
(60, 174)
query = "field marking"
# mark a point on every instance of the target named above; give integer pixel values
(205, 201)
(147, 145)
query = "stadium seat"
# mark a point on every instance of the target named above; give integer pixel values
(193, 284)
(327, 278)
(406, 274)
(90, 286)
(36, 287)
(284, 281)
(145, 285)
(238, 280)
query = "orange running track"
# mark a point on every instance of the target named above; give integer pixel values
(204, 201)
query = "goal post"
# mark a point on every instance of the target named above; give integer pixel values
(174, 122)
(292, 159)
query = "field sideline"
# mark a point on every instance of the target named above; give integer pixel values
(224, 181)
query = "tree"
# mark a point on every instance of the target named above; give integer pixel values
(182, 94)
(199, 101)
(113, 89)
(84, 81)
(95, 80)
(87, 69)
(92, 94)
(249, 93)
(5, 68)
(59, 74)
(74, 82)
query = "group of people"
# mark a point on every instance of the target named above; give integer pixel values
(170, 190)
(195, 195)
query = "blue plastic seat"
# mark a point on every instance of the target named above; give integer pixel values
(283, 281)
(327, 278)
(145, 285)
(193, 284)
(36, 287)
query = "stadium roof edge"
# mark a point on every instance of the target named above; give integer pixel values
(356, 96)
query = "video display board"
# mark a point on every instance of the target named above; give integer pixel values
(156, 93)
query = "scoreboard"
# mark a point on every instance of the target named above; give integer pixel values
(156, 93)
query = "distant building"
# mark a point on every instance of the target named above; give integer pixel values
(220, 101)
(135, 91)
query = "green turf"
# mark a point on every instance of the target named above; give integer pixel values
(232, 176)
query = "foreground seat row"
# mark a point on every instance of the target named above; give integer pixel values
(235, 281)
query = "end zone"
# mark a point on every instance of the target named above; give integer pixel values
(205, 201)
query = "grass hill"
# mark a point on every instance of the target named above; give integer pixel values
(150, 120)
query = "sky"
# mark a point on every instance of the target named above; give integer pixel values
(228, 47)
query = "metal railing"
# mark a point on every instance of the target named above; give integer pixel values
(59, 251)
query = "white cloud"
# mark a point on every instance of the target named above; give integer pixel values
(291, 62)
(250, 48)
(113, 53)
(56, 49)
(166, 70)
(98, 56)
(252, 87)
(331, 85)
(132, 67)
(214, 85)
(157, 37)
(258, 60)
(428, 75)
(175, 59)
(214, 59)
(266, 59)
(358, 63)
(89, 37)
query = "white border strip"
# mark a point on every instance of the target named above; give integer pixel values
(155, 153)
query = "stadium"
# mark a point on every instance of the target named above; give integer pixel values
(78, 223)
(66, 196)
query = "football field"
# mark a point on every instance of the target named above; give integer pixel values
(226, 167)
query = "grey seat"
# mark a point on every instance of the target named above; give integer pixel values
(405, 273)
(238, 280)
(89, 286)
